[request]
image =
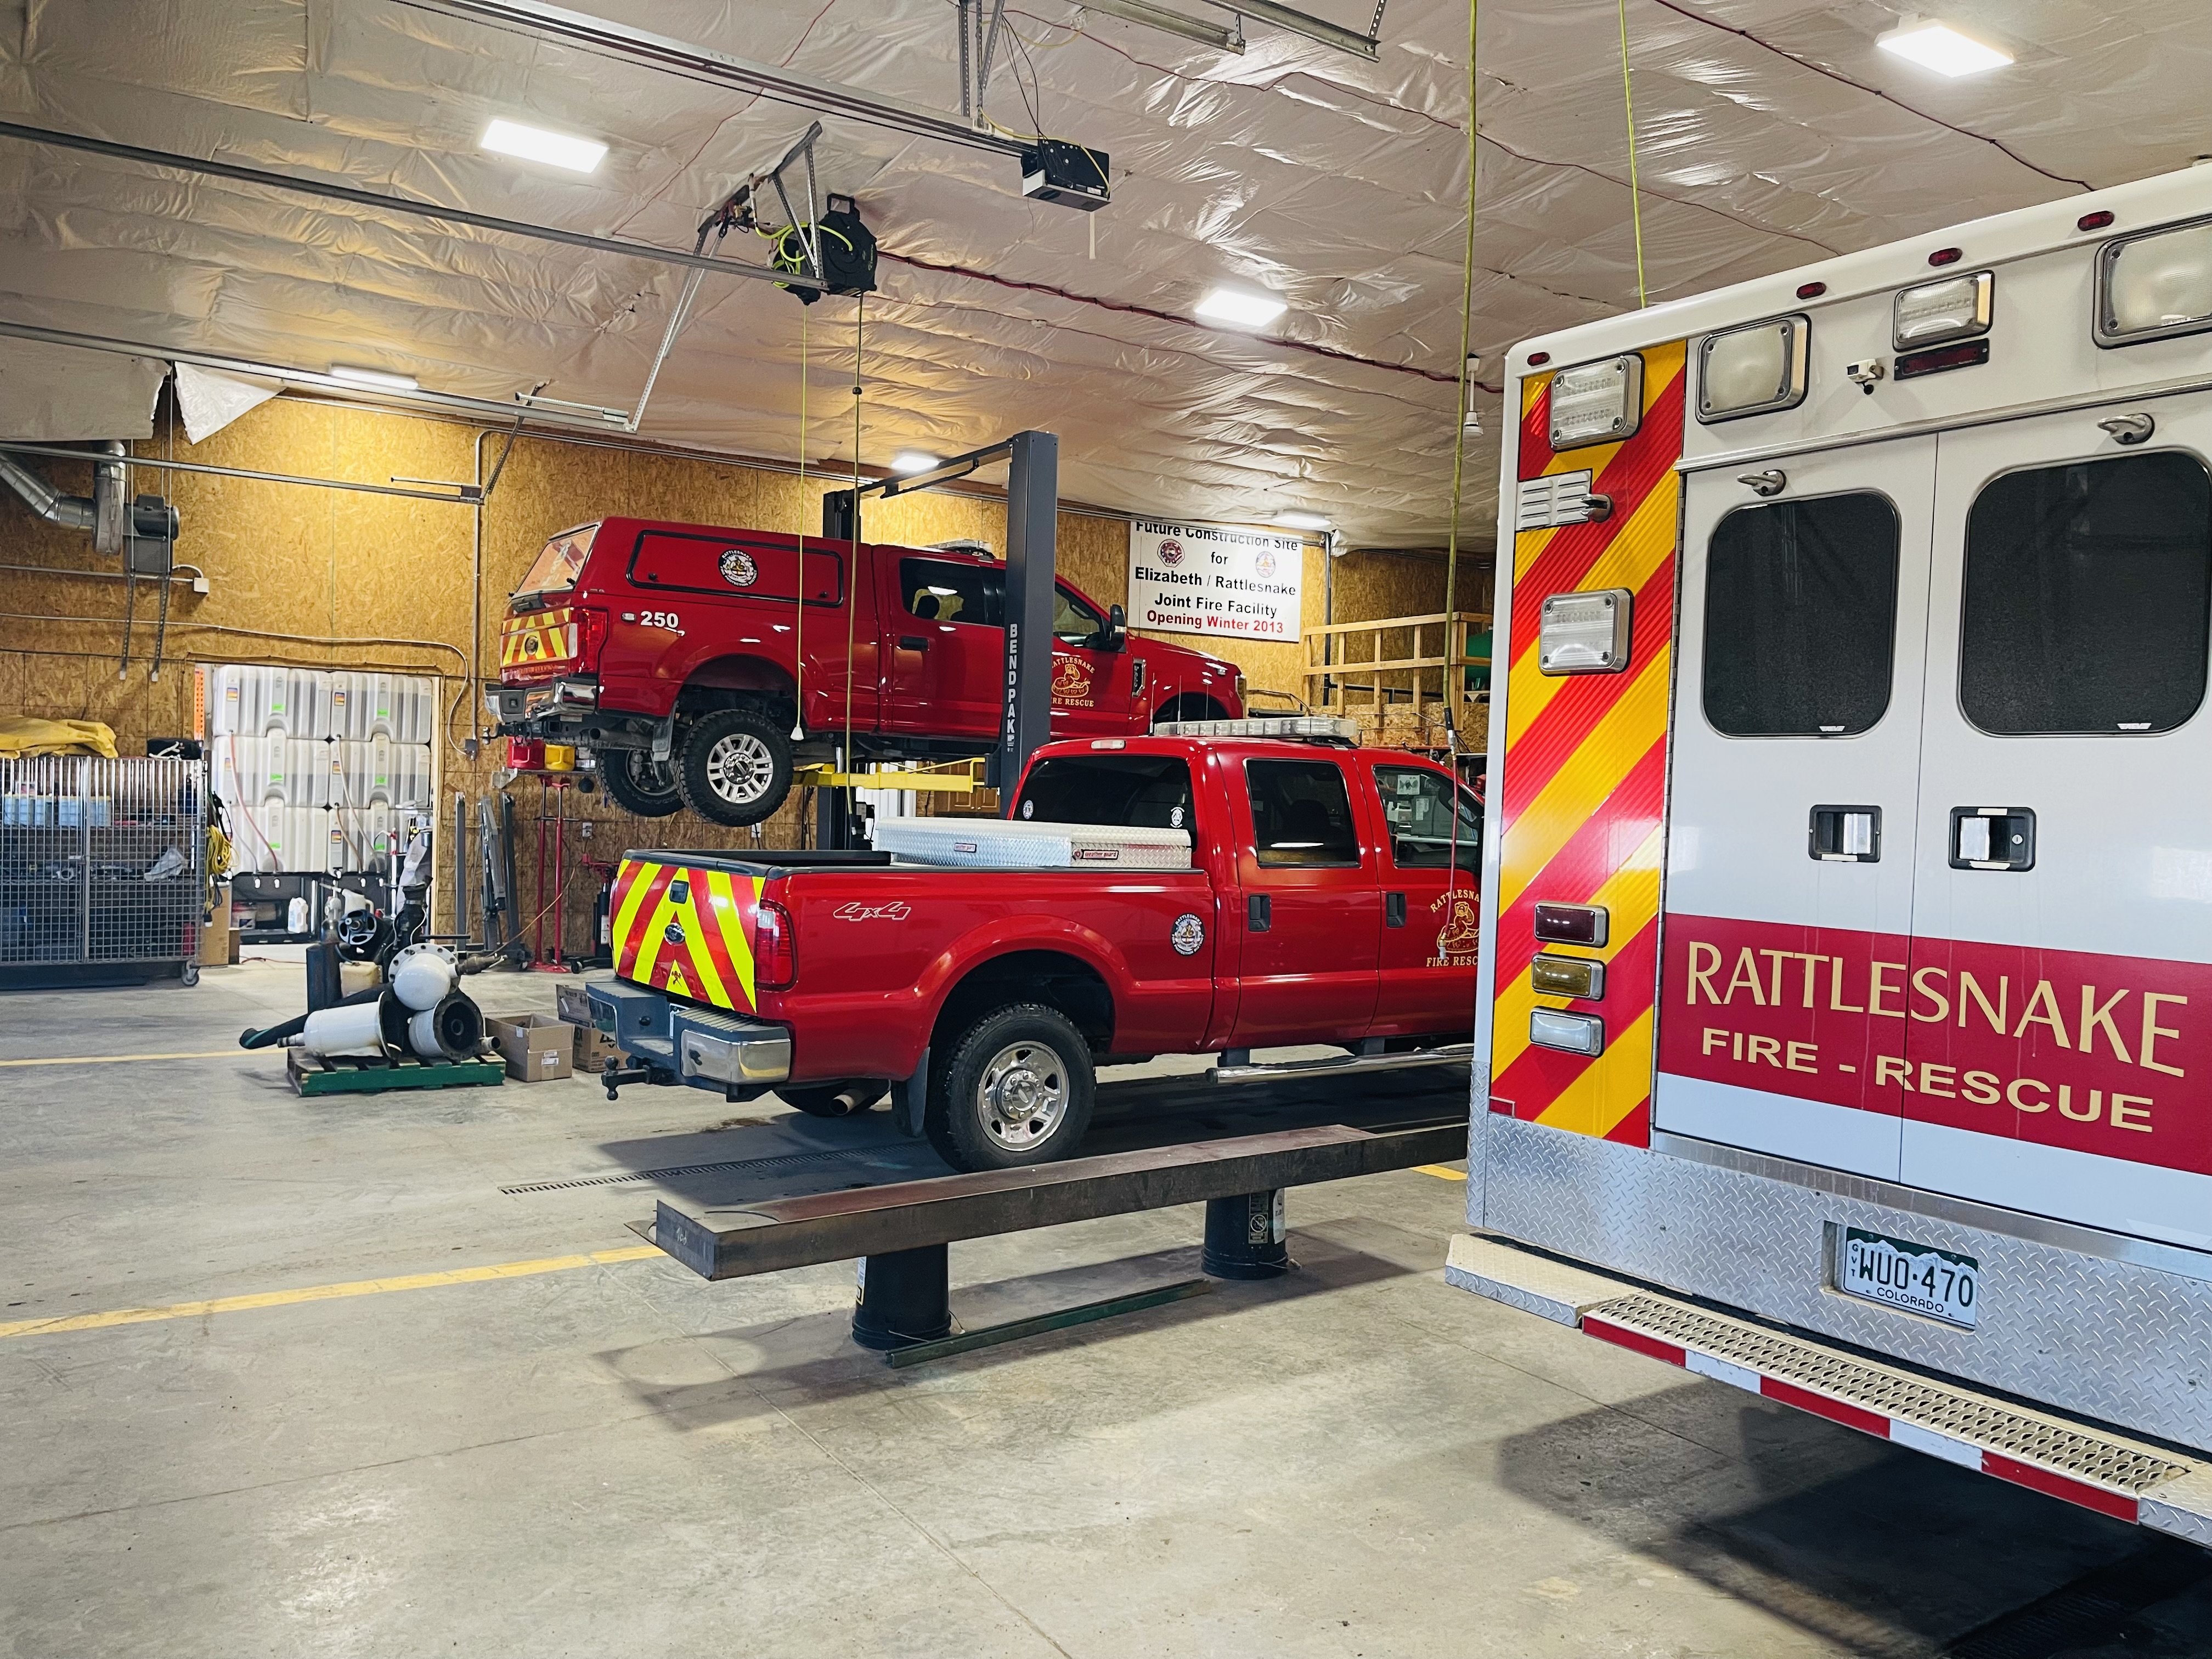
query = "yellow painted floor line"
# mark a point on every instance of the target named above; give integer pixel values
(112, 1059)
(551, 1264)
(1441, 1172)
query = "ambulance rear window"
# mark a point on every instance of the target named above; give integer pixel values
(1801, 612)
(2088, 588)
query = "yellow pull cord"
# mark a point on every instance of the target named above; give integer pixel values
(799, 643)
(1459, 415)
(1635, 196)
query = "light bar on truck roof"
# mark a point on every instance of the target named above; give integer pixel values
(1754, 370)
(1597, 403)
(1306, 728)
(2155, 285)
(1955, 309)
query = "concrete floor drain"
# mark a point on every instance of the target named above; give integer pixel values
(2092, 1611)
(784, 1164)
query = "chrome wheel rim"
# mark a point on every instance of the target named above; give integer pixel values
(1022, 1096)
(739, 767)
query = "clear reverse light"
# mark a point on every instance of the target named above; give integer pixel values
(2149, 287)
(558, 149)
(1240, 309)
(376, 377)
(913, 460)
(1750, 371)
(1940, 47)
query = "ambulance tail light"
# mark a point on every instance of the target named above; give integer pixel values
(2154, 286)
(1753, 371)
(1573, 1034)
(1597, 403)
(775, 948)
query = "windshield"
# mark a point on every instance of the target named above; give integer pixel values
(560, 562)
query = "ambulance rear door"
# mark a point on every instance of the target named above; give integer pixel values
(1792, 801)
(2059, 1038)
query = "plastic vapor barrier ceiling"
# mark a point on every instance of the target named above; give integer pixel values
(1771, 134)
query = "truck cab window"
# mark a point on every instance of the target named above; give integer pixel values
(1301, 815)
(1416, 803)
(2086, 594)
(1801, 614)
(1131, 791)
(939, 590)
(1074, 623)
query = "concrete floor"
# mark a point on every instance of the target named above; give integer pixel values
(617, 1458)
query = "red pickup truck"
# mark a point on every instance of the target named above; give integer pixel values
(1329, 897)
(674, 652)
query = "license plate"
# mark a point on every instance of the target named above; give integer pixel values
(1919, 1277)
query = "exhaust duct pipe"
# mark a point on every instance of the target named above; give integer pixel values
(103, 513)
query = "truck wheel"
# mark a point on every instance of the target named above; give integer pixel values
(639, 787)
(834, 1099)
(735, 766)
(1018, 1089)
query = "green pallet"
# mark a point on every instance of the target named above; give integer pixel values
(337, 1074)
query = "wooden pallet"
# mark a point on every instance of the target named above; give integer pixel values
(360, 1074)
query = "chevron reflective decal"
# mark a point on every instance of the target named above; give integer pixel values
(1583, 785)
(687, 930)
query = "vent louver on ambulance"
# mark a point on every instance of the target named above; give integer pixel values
(996, 844)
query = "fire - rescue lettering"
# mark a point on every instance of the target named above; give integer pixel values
(2063, 1048)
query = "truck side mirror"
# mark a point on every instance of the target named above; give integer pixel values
(1117, 623)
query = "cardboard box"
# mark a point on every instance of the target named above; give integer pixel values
(594, 1047)
(218, 944)
(538, 1047)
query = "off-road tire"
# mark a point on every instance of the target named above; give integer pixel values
(636, 795)
(698, 767)
(834, 1099)
(955, 1120)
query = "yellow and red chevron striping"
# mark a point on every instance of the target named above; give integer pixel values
(1583, 784)
(540, 636)
(687, 930)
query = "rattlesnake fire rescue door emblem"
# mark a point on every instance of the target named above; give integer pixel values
(738, 568)
(1188, 934)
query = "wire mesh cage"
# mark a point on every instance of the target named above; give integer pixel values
(101, 860)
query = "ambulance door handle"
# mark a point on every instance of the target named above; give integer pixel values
(1992, 838)
(1772, 482)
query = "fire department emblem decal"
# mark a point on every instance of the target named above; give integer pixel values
(738, 568)
(1171, 552)
(1264, 562)
(1188, 934)
(1071, 680)
(1458, 940)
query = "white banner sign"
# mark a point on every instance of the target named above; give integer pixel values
(1226, 580)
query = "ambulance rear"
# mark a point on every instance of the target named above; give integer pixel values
(1846, 1026)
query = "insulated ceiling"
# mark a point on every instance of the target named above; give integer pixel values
(1771, 133)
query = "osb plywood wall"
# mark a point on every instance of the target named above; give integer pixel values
(329, 577)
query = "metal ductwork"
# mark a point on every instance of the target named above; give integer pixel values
(105, 513)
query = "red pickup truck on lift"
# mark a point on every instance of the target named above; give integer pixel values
(674, 652)
(1329, 898)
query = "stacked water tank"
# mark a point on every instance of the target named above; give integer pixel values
(319, 769)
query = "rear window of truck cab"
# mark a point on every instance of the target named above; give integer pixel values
(1130, 792)
(1301, 815)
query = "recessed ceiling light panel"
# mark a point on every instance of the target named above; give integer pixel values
(1940, 47)
(1240, 308)
(375, 377)
(558, 149)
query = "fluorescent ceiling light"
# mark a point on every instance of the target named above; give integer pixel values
(913, 460)
(375, 377)
(1940, 47)
(558, 149)
(1240, 309)
(1301, 521)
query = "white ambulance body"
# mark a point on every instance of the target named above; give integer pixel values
(1848, 932)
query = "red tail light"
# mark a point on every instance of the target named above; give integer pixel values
(775, 948)
(588, 632)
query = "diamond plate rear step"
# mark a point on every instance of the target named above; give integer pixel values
(2098, 1469)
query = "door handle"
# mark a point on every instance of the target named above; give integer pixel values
(1393, 909)
(913, 643)
(1992, 838)
(1845, 834)
(1259, 913)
